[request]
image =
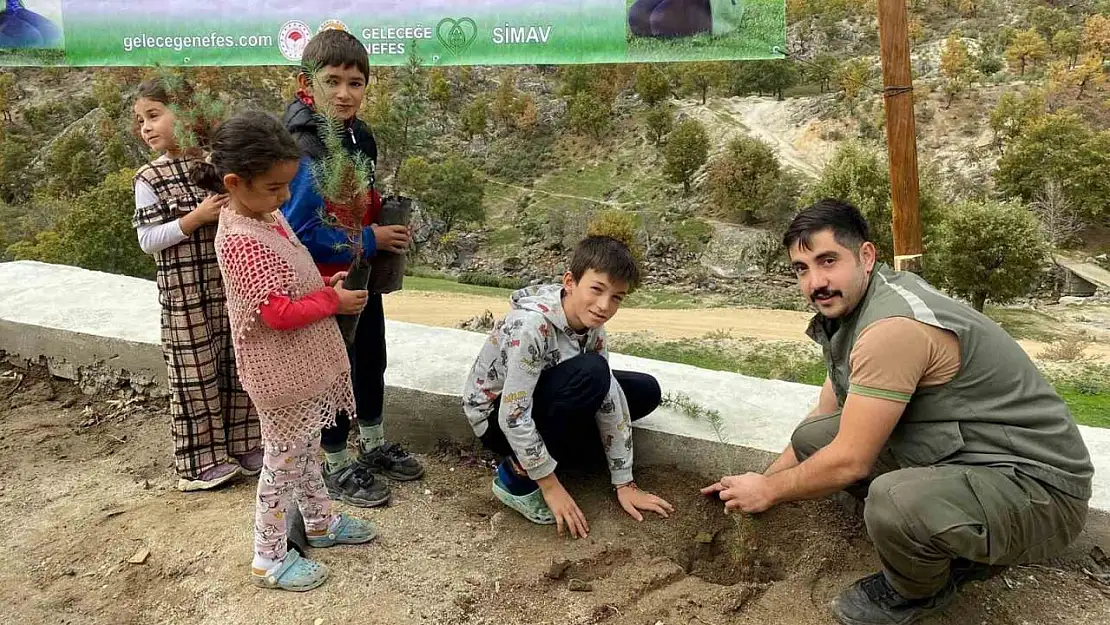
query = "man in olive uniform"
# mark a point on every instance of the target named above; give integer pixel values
(968, 458)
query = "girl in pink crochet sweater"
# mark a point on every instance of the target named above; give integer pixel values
(292, 360)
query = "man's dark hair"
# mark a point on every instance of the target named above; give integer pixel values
(848, 226)
(334, 48)
(608, 256)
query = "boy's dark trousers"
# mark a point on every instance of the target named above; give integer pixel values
(367, 356)
(565, 405)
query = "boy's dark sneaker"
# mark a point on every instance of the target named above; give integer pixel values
(873, 601)
(392, 461)
(355, 485)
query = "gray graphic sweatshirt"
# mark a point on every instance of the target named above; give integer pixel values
(535, 336)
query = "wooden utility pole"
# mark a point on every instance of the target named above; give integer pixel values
(901, 134)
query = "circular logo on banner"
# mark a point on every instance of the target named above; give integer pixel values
(293, 38)
(332, 24)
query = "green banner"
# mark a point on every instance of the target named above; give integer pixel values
(442, 32)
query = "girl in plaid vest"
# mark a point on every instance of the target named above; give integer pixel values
(292, 359)
(215, 428)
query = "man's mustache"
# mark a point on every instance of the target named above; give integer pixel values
(823, 293)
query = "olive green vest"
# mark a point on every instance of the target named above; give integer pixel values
(997, 410)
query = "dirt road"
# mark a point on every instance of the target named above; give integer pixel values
(87, 485)
(448, 309)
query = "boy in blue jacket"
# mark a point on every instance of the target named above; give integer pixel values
(334, 71)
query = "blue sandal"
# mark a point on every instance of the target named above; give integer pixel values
(346, 531)
(295, 573)
(531, 506)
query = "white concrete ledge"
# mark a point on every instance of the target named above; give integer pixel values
(91, 326)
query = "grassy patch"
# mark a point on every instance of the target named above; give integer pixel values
(1091, 410)
(446, 285)
(32, 57)
(751, 29)
(769, 360)
(1085, 389)
(1027, 324)
(663, 299)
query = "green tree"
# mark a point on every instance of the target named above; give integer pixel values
(587, 115)
(115, 154)
(414, 176)
(1014, 113)
(506, 101)
(575, 79)
(823, 71)
(527, 117)
(15, 158)
(652, 85)
(409, 108)
(659, 121)
(72, 166)
(854, 78)
(380, 112)
(989, 64)
(989, 251)
(778, 76)
(107, 93)
(744, 77)
(955, 66)
(860, 175)
(686, 149)
(452, 191)
(1028, 48)
(1048, 21)
(439, 89)
(475, 118)
(1059, 148)
(1067, 44)
(742, 179)
(699, 78)
(96, 234)
(7, 95)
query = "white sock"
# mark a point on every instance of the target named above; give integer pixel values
(264, 564)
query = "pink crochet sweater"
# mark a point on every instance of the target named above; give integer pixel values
(298, 379)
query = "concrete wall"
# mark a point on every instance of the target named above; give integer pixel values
(98, 328)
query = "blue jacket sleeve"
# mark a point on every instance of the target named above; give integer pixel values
(328, 245)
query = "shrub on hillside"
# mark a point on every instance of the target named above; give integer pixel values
(96, 234)
(620, 225)
(989, 251)
(481, 278)
(742, 179)
(685, 152)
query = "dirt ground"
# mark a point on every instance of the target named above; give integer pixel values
(448, 309)
(86, 484)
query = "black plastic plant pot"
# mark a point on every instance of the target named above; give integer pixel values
(388, 273)
(358, 277)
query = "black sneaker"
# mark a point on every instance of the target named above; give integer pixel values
(392, 461)
(873, 601)
(355, 485)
